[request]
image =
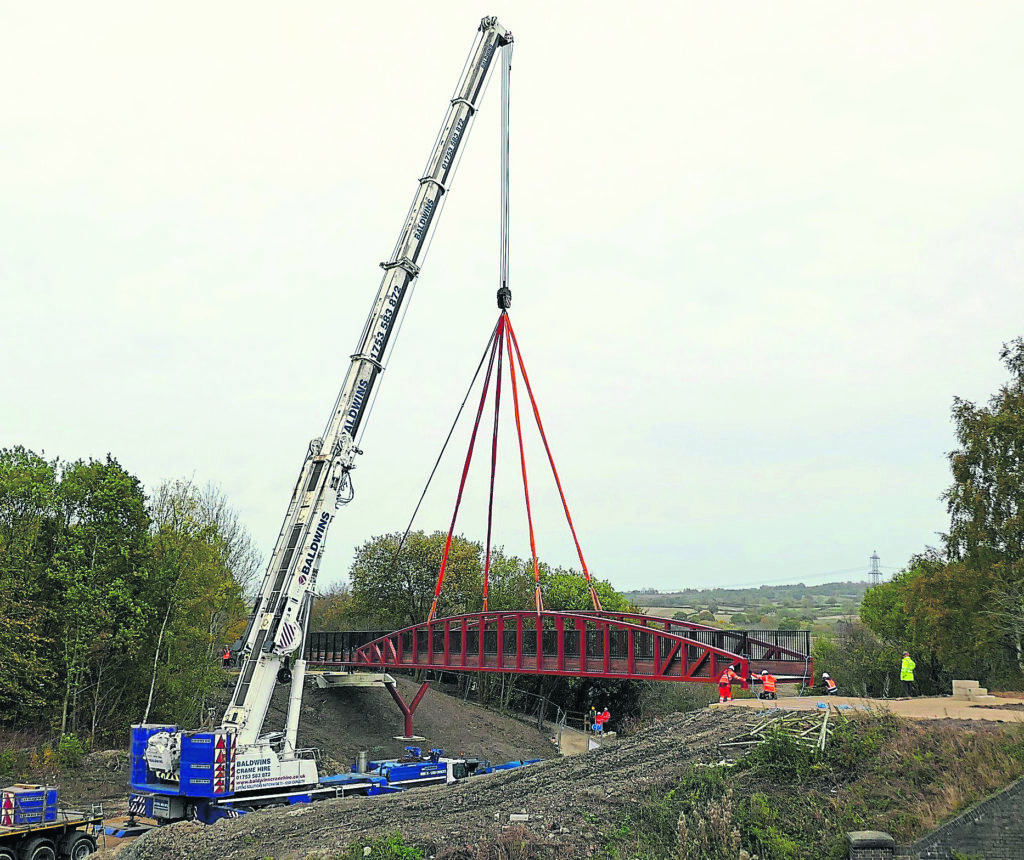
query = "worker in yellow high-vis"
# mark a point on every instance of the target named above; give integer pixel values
(907, 675)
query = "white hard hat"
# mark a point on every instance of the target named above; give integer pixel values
(825, 675)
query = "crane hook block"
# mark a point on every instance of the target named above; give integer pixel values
(504, 298)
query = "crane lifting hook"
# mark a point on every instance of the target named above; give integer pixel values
(504, 298)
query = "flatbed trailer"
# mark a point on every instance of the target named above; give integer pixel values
(71, 836)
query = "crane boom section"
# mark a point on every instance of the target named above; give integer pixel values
(276, 626)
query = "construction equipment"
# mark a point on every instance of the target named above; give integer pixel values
(416, 768)
(208, 775)
(33, 826)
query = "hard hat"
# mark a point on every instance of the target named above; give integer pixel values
(764, 671)
(825, 675)
(906, 653)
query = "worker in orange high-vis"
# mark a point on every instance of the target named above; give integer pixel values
(830, 685)
(226, 657)
(725, 685)
(768, 683)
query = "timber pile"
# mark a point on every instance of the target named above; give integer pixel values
(807, 728)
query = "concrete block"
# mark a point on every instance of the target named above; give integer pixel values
(964, 689)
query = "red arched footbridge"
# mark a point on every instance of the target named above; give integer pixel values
(618, 645)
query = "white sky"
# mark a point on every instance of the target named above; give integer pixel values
(756, 251)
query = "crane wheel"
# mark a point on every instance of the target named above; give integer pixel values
(284, 675)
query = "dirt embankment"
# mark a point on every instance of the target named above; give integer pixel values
(559, 803)
(340, 724)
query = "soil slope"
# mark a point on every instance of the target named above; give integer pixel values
(558, 803)
(339, 723)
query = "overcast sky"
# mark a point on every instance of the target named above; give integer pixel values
(757, 249)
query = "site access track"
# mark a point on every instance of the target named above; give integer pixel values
(618, 645)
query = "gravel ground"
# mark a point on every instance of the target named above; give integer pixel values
(557, 803)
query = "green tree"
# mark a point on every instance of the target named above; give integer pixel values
(28, 670)
(197, 600)
(393, 587)
(862, 663)
(98, 569)
(986, 500)
(333, 610)
(963, 610)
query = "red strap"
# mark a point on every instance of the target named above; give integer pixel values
(522, 461)
(551, 460)
(465, 472)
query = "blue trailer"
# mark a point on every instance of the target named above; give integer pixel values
(34, 827)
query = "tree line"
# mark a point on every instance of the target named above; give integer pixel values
(113, 604)
(392, 585)
(959, 607)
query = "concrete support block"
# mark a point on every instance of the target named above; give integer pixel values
(870, 845)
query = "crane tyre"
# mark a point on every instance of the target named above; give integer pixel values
(284, 675)
(77, 846)
(6, 854)
(38, 849)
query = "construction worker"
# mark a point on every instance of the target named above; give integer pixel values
(830, 685)
(591, 719)
(907, 675)
(768, 683)
(226, 657)
(725, 685)
(601, 719)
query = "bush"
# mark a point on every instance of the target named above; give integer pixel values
(861, 663)
(782, 761)
(70, 751)
(390, 847)
(8, 762)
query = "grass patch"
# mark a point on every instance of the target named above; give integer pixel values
(783, 801)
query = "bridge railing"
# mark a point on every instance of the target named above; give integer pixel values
(774, 646)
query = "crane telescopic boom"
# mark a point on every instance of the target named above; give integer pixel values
(276, 626)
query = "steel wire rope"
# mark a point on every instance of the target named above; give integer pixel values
(506, 81)
(429, 239)
(465, 468)
(503, 278)
(444, 447)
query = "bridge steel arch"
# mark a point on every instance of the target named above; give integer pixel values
(686, 651)
(592, 645)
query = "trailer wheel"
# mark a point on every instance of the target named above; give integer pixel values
(38, 849)
(6, 854)
(78, 846)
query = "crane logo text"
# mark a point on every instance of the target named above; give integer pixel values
(318, 538)
(357, 404)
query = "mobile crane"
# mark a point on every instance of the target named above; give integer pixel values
(209, 775)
